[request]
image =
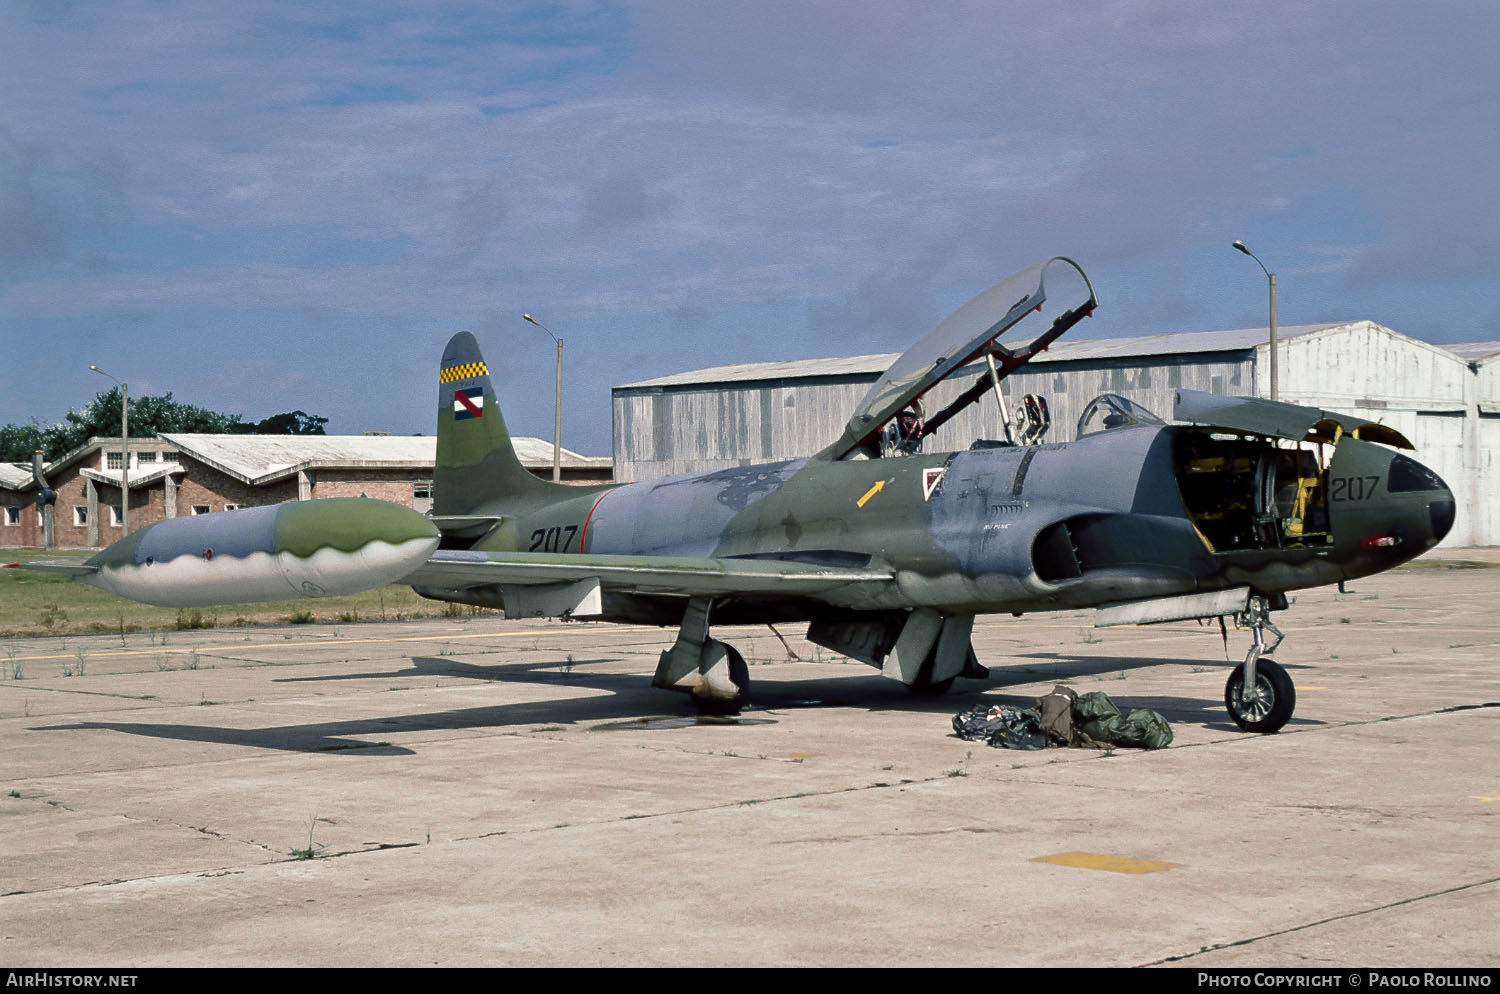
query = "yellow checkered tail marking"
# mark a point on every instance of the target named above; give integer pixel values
(467, 371)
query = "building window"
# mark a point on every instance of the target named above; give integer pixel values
(80, 516)
(200, 508)
(12, 516)
(231, 507)
(141, 457)
(112, 460)
(114, 516)
(421, 496)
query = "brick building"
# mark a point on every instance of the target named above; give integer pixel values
(183, 474)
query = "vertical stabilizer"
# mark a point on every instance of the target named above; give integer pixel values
(476, 462)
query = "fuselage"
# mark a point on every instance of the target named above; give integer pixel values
(1121, 515)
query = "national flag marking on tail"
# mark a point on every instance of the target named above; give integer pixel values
(468, 403)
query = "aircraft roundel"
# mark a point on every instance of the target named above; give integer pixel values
(930, 480)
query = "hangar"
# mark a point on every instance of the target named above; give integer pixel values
(1446, 400)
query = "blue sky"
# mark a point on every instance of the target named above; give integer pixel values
(269, 206)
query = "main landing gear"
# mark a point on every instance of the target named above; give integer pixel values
(712, 672)
(1259, 695)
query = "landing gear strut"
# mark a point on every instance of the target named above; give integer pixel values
(1259, 694)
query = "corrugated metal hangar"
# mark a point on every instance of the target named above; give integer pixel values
(1446, 400)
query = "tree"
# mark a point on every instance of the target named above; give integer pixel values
(18, 442)
(291, 423)
(149, 416)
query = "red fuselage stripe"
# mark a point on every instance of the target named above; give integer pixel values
(583, 539)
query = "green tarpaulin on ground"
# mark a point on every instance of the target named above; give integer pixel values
(1066, 718)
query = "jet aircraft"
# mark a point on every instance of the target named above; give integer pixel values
(887, 544)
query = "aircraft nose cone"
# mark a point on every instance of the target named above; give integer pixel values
(1441, 510)
(1408, 477)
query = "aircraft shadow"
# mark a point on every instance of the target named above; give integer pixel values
(1209, 712)
(627, 697)
(1069, 665)
(437, 666)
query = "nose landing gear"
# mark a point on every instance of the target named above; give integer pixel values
(1259, 694)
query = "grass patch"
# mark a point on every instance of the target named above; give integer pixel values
(190, 620)
(28, 601)
(52, 616)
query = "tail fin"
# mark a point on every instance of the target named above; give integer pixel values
(476, 462)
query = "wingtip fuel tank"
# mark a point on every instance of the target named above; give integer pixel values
(316, 548)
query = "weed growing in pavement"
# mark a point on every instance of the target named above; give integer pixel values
(313, 848)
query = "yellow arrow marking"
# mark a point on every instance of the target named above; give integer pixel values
(870, 493)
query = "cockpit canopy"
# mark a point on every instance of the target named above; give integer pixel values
(1109, 411)
(972, 332)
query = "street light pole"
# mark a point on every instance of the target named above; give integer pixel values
(1271, 278)
(556, 405)
(124, 452)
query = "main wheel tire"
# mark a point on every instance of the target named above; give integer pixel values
(1278, 698)
(924, 687)
(739, 675)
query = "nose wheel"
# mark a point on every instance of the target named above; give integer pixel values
(1266, 708)
(1259, 694)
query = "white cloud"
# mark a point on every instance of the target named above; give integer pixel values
(852, 164)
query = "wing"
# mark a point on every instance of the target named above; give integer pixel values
(72, 569)
(684, 575)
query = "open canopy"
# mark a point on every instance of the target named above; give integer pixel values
(967, 334)
(1277, 420)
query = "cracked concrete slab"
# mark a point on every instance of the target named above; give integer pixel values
(482, 792)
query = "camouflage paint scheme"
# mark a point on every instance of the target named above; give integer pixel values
(886, 550)
(890, 558)
(321, 548)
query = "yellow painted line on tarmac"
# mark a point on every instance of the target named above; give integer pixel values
(306, 642)
(1099, 861)
(1486, 800)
